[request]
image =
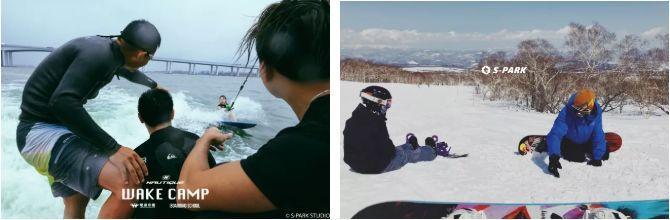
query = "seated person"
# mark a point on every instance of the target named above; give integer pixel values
(164, 153)
(367, 146)
(227, 109)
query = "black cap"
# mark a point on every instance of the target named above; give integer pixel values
(142, 35)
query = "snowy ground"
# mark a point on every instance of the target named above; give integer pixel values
(493, 172)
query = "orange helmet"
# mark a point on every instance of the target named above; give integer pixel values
(585, 97)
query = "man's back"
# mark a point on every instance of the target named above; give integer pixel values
(164, 154)
(93, 58)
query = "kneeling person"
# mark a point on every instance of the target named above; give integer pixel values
(577, 133)
(164, 153)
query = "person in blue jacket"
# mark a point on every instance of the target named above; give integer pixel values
(577, 133)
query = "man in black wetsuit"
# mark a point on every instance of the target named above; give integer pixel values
(290, 173)
(164, 153)
(60, 139)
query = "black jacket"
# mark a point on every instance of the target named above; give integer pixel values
(367, 146)
(69, 76)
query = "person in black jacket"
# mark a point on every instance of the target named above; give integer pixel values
(367, 146)
(60, 139)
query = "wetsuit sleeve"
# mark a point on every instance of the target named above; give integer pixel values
(67, 100)
(598, 138)
(137, 77)
(557, 133)
(189, 143)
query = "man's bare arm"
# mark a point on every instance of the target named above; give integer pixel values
(230, 189)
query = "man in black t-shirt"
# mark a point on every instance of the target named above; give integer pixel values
(290, 173)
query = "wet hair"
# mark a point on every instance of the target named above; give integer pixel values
(293, 37)
(223, 96)
(155, 106)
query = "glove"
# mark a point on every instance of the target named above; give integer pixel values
(595, 163)
(554, 165)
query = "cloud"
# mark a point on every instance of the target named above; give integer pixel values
(651, 33)
(395, 38)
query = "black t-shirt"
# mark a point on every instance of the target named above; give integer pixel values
(164, 154)
(292, 169)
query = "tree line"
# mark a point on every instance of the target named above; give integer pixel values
(630, 71)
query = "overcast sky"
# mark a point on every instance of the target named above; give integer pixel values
(208, 30)
(487, 25)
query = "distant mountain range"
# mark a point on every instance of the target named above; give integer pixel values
(463, 59)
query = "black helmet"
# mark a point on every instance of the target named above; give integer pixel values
(142, 35)
(377, 99)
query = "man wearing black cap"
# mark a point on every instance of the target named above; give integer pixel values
(60, 139)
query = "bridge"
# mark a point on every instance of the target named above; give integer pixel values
(235, 69)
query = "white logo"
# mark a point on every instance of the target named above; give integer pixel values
(171, 156)
(144, 159)
(166, 177)
(134, 205)
(507, 69)
(486, 70)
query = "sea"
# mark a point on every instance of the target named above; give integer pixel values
(26, 194)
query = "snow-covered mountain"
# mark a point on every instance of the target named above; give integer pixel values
(417, 57)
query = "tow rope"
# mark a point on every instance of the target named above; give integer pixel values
(243, 83)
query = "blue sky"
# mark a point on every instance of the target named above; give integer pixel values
(482, 25)
(207, 30)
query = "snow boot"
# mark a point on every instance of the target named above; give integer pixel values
(430, 141)
(411, 139)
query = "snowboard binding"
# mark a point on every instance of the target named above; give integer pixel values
(442, 149)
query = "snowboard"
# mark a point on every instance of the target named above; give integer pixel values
(453, 155)
(591, 210)
(528, 144)
(538, 143)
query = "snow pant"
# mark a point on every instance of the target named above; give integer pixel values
(574, 152)
(406, 154)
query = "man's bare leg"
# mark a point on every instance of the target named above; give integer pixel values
(110, 179)
(75, 206)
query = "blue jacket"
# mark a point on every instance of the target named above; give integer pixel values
(578, 130)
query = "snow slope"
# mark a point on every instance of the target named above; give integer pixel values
(493, 172)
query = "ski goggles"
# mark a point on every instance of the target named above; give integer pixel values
(582, 111)
(385, 103)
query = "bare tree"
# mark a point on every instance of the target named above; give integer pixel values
(658, 57)
(630, 54)
(590, 45)
(540, 57)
